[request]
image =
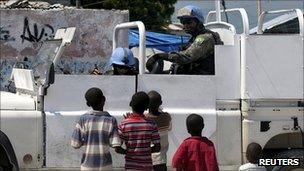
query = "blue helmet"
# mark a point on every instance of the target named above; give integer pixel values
(122, 56)
(190, 11)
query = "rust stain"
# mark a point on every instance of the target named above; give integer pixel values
(74, 51)
(28, 52)
(7, 51)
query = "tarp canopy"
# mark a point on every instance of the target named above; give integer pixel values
(160, 41)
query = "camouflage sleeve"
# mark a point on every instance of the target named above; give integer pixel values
(200, 48)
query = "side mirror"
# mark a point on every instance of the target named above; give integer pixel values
(51, 75)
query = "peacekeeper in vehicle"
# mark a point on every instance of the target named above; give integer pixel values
(197, 57)
(122, 62)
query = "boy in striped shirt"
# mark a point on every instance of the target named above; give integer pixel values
(138, 133)
(97, 131)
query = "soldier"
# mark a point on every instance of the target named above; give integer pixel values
(123, 62)
(198, 56)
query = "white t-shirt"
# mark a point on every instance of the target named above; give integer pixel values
(163, 122)
(161, 157)
(251, 167)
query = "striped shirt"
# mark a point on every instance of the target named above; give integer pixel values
(138, 133)
(97, 131)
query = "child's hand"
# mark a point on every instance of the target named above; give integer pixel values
(120, 150)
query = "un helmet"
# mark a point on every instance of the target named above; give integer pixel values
(122, 56)
(190, 11)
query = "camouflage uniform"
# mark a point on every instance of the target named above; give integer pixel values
(198, 57)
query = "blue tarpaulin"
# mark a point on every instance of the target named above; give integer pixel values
(160, 41)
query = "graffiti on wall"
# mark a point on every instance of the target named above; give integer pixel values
(6, 67)
(23, 32)
(35, 34)
(5, 35)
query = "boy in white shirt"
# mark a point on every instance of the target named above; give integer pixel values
(163, 121)
(253, 154)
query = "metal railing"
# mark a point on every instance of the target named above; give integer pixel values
(243, 13)
(298, 12)
(142, 40)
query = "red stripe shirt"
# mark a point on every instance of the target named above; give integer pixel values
(138, 133)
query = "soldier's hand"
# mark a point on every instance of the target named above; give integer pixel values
(96, 71)
(151, 61)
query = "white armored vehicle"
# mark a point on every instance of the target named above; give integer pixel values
(256, 95)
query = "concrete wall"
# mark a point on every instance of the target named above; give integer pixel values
(22, 33)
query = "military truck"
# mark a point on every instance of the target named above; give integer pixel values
(256, 95)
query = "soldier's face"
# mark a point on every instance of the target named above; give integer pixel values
(189, 25)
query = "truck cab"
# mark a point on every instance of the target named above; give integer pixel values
(256, 95)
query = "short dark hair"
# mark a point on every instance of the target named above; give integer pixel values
(155, 99)
(94, 97)
(253, 152)
(195, 124)
(139, 102)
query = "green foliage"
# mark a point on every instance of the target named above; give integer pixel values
(153, 13)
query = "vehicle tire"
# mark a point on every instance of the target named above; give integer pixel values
(8, 160)
(295, 153)
(5, 164)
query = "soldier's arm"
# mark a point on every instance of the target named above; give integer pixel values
(202, 45)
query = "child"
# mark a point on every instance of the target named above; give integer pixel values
(196, 153)
(97, 131)
(253, 154)
(138, 133)
(163, 121)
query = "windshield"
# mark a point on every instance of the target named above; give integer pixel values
(45, 58)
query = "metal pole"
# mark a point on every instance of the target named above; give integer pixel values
(218, 10)
(142, 40)
(259, 7)
(77, 4)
